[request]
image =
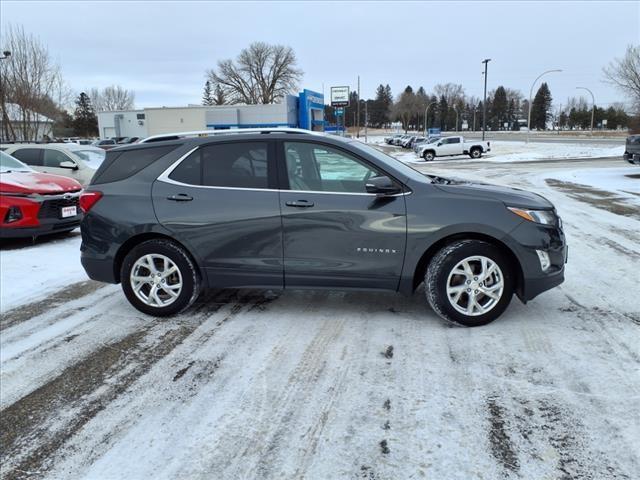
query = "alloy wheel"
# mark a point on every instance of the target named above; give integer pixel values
(475, 285)
(156, 280)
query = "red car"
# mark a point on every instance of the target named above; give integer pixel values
(33, 203)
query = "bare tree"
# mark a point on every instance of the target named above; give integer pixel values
(261, 74)
(624, 73)
(452, 92)
(112, 98)
(30, 83)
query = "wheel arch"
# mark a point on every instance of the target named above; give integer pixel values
(421, 266)
(136, 240)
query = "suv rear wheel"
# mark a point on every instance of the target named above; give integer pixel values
(429, 155)
(159, 278)
(469, 282)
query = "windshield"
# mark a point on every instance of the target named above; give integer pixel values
(10, 164)
(92, 158)
(399, 166)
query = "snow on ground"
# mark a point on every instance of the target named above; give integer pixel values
(624, 181)
(317, 384)
(514, 151)
(35, 271)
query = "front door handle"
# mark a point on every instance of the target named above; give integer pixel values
(300, 204)
(180, 197)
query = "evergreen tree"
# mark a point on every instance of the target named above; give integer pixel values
(499, 109)
(85, 121)
(443, 113)
(541, 107)
(207, 96)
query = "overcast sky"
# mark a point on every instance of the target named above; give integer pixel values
(162, 49)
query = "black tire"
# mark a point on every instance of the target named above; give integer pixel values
(428, 156)
(475, 153)
(443, 263)
(188, 270)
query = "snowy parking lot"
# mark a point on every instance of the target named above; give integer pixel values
(332, 385)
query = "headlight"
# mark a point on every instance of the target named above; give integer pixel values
(545, 217)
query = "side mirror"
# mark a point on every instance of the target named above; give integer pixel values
(439, 144)
(69, 164)
(382, 186)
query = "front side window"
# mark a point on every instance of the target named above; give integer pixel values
(321, 168)
(53, 158)
(30, 156)
(237, 165)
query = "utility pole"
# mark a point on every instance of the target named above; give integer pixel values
(358, 110)
(484, 102)
(593, 105)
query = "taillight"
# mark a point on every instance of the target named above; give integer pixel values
(88, 200)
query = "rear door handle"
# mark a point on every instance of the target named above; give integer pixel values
(180, 197)
(300, 204)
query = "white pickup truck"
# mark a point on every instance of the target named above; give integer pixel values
(448, 146)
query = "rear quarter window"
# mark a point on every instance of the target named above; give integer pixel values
(120, 165)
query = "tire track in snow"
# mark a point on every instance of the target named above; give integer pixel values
(40, 423)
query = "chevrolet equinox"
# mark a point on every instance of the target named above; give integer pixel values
(286, 208)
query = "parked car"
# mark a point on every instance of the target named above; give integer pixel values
(450, 146)
(128, 140)
(406, 143)
(56, 158)
(106, 144)
(182, 213)
(423, 141)
(632, 149)
(34, 204)
(413, 141)
(390, 140)
(398, 140)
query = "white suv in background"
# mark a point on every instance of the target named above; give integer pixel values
(79, 162)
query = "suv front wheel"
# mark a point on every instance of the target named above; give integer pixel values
(469, 282)
(159, 278)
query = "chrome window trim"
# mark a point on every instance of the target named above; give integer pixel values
(164, 177)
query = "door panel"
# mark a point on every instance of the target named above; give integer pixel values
(235, 232)
(335, 234)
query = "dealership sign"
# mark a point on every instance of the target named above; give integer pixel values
(339, 96)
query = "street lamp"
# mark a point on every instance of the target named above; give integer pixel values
(531, 94)
(426, 112)
(593, 105)
(484, 102)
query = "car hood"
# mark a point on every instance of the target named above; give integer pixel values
(32, 182)
(513, 197)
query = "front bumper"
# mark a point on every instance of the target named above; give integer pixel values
(44, 228)
(633, 158)
(530, 237)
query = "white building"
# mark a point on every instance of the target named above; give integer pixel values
(304, 111)
(24, 126)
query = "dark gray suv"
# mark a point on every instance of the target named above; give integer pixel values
(295, 209)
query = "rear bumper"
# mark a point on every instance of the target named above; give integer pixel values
(45, 228)
(99, 269)
(633, 158)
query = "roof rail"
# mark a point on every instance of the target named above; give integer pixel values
(207, 133)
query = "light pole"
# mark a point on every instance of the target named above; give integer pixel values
(484, 102)
(593, 105)
(531, 94)
(426, 113)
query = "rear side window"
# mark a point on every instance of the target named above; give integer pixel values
(30, 156)
(121, 165)
(239, 165)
